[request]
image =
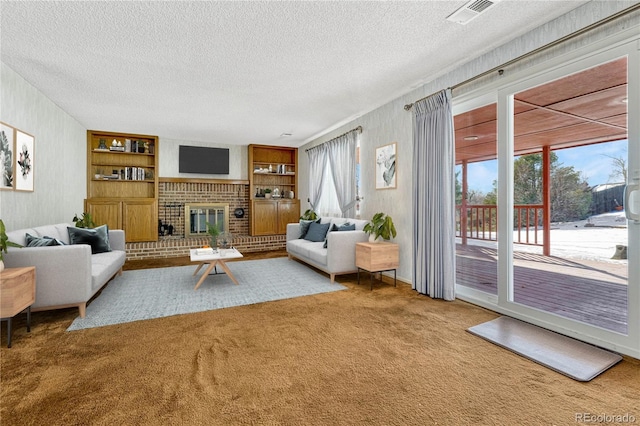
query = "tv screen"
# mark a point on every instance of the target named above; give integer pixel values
(201, 159)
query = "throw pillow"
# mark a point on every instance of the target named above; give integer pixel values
(97, 238)
(317, 232)
(344, 227)
(41, 242)
(304, 226)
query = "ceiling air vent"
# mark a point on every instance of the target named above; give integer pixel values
(470, 10)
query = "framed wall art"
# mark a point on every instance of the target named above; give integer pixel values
(24, 162)
(7, 150)
(386, 176)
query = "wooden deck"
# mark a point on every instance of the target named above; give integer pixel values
(591, 292)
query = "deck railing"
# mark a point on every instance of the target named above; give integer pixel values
(482, 223)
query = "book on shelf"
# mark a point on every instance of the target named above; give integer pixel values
(116, 148)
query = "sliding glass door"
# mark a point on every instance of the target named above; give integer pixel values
(565, 250)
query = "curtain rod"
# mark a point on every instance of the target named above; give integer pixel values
(499, 68)
(359, 129)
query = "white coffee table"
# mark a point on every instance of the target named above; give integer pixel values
(213, 258)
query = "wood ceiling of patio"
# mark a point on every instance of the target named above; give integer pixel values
(580, 109)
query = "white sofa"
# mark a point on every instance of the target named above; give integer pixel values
(66, 275)
(340, 255)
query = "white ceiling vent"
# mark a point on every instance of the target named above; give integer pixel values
(470, 10)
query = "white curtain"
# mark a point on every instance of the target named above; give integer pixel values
(328, 205)
(434, 270)
(317, 164)
(342, 157)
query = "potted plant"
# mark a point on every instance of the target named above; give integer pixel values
(380, 226)
(84, 221)
(4, 244)
(309, 214)
(267, 193)
(213, 231)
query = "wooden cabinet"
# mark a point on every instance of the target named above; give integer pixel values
(273, 167)
(270, 217)
(122, 183)
(134, 215)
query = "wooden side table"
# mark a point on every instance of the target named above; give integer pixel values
(17, 293)
(377, 257)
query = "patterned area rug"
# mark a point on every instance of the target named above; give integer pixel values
(155, 293)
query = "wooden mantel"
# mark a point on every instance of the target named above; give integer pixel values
(203, 180)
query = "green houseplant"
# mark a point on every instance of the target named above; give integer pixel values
(4, 244)
(84, 221)
(309, 214)
(213, 231)
(381, 225)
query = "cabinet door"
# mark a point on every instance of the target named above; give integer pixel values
(288, 212)
(140, 220)
(105, 212)
(264, 215)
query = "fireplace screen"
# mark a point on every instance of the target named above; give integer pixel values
(198, 214)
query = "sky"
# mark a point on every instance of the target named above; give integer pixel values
(590, 160)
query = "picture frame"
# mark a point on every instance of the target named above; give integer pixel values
(24, 161)
(386, 173)
(7, 151)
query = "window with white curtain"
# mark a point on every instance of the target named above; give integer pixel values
(328, 204)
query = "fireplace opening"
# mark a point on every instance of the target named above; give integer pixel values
(198, 214)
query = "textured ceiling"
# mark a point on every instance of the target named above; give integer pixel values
(244, 72)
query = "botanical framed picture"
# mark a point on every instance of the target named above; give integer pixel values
(386, 176)
(24, 161)
(7, 149)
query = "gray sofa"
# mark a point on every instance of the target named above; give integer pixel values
(66, 275)
(340, 255)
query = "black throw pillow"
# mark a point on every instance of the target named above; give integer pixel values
(304, 226)
(317, 232)
(97, 238)
(344, 227)
(41, 241)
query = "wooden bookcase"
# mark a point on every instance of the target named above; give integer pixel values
(122, 184)
(273, 167)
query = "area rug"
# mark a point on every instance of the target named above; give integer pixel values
(154, 293)
(567, 356)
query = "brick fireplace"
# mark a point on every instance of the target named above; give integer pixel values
(175, 194)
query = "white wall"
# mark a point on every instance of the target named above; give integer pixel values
(59, 158)
(169, 160)
(391, 123)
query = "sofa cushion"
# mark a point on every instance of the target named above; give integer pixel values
(97, 238)
(304, 226)
(344, 227)
(317, 232)
(41, 241)
(317, 253)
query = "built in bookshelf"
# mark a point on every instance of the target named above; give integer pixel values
(122, 183)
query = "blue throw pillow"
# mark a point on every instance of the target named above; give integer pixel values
(317, 232)
(41, 242)
(97, 238)
(344, 227)
(304, 226)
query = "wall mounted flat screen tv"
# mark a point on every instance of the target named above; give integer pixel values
(202, 159)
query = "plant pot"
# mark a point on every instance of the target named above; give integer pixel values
(372, 238)
(267, 196)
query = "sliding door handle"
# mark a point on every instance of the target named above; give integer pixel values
(630, 202)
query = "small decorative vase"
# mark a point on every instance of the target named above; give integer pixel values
(103, 144)
(214, 243)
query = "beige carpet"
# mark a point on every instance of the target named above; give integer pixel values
(354, 357)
